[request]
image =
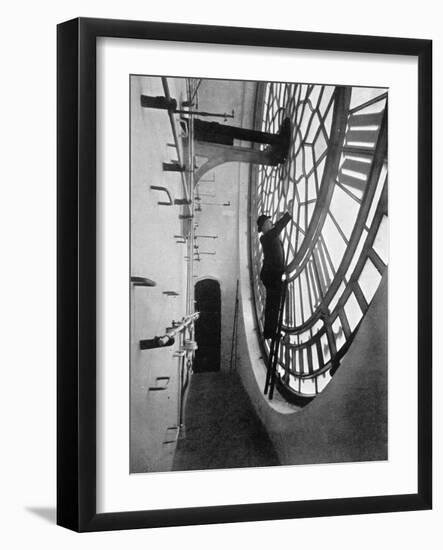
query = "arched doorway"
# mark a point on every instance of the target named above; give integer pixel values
(207, 327)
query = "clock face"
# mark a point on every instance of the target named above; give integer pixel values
(334, 185)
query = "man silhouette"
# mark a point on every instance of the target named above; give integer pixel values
(273, 268)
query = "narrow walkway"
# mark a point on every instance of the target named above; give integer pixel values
(222, 429)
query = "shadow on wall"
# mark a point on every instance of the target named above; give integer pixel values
(348, 421)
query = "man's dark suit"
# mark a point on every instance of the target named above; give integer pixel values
(271, 273)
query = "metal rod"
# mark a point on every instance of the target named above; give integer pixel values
(191, 241)
(181, 360)
(217, 203)
(184, 323)
(169, 104)
(204, 113)
(168, 338)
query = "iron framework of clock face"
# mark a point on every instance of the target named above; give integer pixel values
(334, 184)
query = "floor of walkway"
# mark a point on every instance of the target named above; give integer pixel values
(222, 428)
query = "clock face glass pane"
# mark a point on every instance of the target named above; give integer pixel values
(334, 184)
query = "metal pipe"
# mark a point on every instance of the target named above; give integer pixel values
(191, 241)
(169, 104)
(184, 323)
(217, 203)
(204, 113)
(168, 338)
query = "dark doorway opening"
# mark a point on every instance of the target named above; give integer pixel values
(207, 326)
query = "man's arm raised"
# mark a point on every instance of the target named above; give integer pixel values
(281, 223)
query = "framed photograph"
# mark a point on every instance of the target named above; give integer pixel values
(244, 274)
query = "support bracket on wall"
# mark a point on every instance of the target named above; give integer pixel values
(157, 342)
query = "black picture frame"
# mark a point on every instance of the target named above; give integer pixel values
(77, 248)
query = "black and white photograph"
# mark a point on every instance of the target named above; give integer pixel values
(259, 252)
(221, 285)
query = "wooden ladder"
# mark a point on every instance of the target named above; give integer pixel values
(275, 345)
